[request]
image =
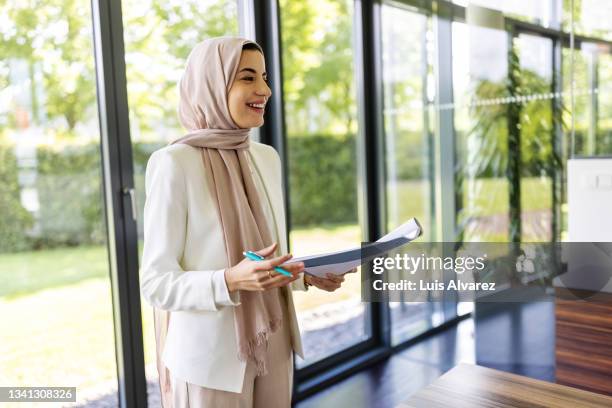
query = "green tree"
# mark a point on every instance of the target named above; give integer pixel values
(54, 37)
(157, 45)
(318, 65)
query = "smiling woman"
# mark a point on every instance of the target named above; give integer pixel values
(213, 194)
(249, 93)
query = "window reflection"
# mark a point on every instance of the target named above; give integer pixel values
(591, 18)
(539, 160)
(480, 69)
(320, 116)
(540, 12)
(407, 56)
(55, 295)
(157, 45)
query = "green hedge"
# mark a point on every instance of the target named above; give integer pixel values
(322, 179)
(14, 219)
(68, 183)
(322, 182)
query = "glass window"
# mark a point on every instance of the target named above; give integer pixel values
(591, 108)
(538, 161)
(505, 135)
(541, 12)
(592, 67)
(157, 45)
(591, 17)
(480, 70)
(603, 91)
(583, 143)
(407, 55)
(320, 115)
(55, 292)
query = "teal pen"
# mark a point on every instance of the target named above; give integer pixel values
(256, 257)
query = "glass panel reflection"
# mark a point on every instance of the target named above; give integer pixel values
(591, 17)
(539, 161)
(157, 45)
(540, 12)
(409, 90)
(480, 72)
(55, 292)
(320, 112)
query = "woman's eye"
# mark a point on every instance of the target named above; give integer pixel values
(252, 78)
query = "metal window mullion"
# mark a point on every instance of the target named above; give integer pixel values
(117, 175)
(593, 80)
(445, 154)
(559, 157)
(370, 141)
(445, 147)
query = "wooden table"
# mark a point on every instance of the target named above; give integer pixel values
(472, 386)
(583, 344)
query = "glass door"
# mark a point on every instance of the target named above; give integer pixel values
(408, 113)
(321, 124)
(539, 161)
(55, 292)
(157, 43)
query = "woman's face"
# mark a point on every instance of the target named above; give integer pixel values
(249, 92)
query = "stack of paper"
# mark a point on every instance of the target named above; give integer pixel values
(343, 261)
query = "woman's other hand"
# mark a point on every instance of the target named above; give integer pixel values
(260, 275)
(329, 284)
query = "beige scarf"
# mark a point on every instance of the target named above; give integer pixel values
(203, 110)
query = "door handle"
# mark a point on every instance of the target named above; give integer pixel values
(132, 193)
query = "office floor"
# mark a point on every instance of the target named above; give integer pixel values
(514, 337)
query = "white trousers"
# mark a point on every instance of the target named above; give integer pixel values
(272, 390)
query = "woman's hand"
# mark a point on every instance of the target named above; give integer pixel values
(329, 284)
(260, 275)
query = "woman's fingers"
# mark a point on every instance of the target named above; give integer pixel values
(265, 280)
(271, 263)
(267, 250)
(293, 268)
(335, 278)
(325, 284)
(277, 281)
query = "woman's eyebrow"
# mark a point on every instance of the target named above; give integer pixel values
(251, 70)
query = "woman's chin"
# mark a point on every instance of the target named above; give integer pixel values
(253, 123)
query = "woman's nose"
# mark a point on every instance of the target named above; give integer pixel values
(264, 90)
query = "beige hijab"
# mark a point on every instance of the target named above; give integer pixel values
(203, 111)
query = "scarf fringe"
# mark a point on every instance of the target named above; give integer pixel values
(260, 339)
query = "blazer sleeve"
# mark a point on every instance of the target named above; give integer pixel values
(164, 284)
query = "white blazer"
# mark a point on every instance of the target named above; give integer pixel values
(184, 258)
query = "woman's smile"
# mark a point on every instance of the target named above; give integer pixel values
(257, 107)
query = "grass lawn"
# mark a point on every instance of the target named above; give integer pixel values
(26, 272)
(61, 336)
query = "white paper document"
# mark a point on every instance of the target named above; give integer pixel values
(343, 261)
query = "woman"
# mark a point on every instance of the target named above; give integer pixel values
(225, 325)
